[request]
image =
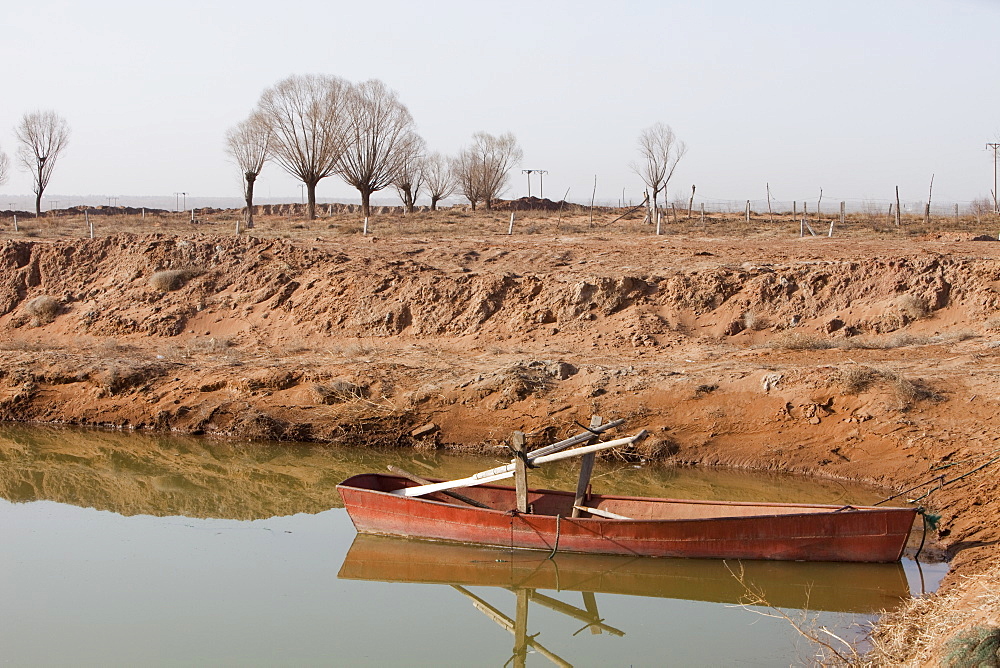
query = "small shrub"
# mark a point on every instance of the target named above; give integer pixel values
(755, 322)
(913, 306)
(43, 310)
(980, 646)
(169, 280)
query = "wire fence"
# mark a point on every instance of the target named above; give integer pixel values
(829, 205)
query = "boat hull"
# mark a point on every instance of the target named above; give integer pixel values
(694, 529)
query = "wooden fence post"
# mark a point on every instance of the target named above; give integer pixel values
(897, 207)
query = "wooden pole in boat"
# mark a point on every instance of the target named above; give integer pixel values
(520, 471)
(521, 626)
(506, 623)
(573, 440)
(424, 481)
(590, 601)
(586, 469)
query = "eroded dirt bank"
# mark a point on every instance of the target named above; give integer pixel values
(858, 359)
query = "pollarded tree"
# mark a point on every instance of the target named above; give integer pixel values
(496, 156)
(43, 136)
(379, 137)
(410, 177)
(248, 144)
(659, 153)
(438, 177)
(307, 118)
(467, 170)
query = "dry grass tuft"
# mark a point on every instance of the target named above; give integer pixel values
(911, 635)
(897, 340)
(24, 345)
(913, 306)
(338, 391)
(169, 280)
(857, 379)
(43, 310)
(800, 341)
(200, 346)
(657, 448)
(755, 321)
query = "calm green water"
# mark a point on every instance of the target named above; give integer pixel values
(124, 550)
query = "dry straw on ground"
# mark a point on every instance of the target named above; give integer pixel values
(909, 636)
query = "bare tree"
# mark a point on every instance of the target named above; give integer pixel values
(439, 178)
(467, 170)
(248, 144)
(410, 177)
(307, 117)
(659, 151)
(481, 170)
(4, 168)
(43, 136)
(380, 134)
(497, 156)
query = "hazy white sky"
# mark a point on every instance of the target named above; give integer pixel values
(854, 97)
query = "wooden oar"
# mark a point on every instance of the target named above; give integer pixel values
(502, 472)
(424, 481)
(573, 611)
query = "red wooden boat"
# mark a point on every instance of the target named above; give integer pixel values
(631, 525)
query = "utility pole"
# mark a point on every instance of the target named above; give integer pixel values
(995, 146)
(541, 184)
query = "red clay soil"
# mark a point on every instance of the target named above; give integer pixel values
(860, 359)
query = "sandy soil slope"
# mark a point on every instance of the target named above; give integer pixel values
(868, 359)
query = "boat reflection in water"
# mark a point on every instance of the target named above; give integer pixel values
(857, 588)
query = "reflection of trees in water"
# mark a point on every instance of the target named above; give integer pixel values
(132, 474)
(135, 473)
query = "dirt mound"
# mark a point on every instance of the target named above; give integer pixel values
(533, 204)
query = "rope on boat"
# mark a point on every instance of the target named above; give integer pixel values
(555, 547)
(940, 479)
(930, 524)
